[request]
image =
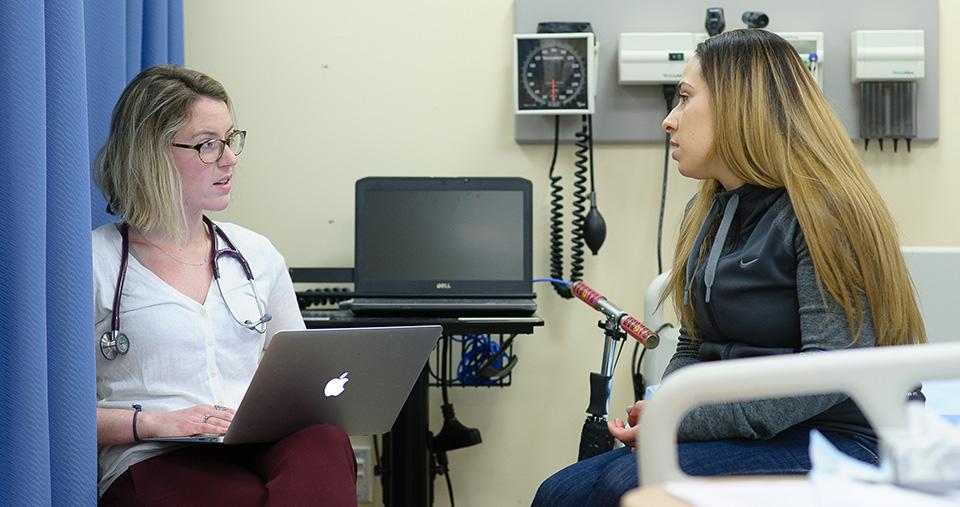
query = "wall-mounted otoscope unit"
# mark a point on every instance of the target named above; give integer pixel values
(626, 114)
(886, 64)
(647, 58)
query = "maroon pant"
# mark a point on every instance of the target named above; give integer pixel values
(314, 466)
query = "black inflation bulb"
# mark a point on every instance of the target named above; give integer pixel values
(881, 143)
(866, 143)
(895, 142)
(908, 145)
(594, 228)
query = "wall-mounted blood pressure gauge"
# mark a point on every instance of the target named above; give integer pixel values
(554, 73)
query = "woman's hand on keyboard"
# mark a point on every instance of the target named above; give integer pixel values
(195, 420)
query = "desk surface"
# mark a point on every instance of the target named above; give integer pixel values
(653, 496)
(451, 324)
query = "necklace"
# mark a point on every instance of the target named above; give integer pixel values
(164, 252)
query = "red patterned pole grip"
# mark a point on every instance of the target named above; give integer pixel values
(642, 333)
(586, 294)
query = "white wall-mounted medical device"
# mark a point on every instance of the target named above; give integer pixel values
(655, 57)
(887, 65)
(886, 55)
(810, 47)
(659, 57)
(555, 73)
(629, 113)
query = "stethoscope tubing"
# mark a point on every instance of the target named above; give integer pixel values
(113, 342)
(124, 254)
(230, 250)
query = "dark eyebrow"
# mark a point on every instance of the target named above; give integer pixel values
(683, 83)
(213, 134)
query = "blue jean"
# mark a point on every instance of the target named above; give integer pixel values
(602, 480)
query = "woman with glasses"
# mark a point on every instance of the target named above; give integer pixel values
(199, 302)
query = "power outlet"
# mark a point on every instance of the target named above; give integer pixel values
(364, 473)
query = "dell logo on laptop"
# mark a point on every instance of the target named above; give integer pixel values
(444, 285)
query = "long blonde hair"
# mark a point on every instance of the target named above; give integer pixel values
(775, 129)
(135, 169)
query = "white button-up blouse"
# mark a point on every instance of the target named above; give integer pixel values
(183, 353)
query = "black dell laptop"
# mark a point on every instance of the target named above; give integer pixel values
(443, 246)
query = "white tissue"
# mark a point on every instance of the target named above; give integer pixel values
(925, 455)
(648, 393)
(828, 461)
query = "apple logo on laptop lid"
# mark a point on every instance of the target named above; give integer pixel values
(336, 385)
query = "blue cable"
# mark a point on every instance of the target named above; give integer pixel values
(554, 280)
(477, 349)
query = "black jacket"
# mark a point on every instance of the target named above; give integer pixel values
(755, 293)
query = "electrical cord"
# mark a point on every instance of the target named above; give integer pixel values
(440, 465)
(445, 440)
(480, 354)
(579, 199)
(556, 217)
(639, 385)
(444, 380)
(617, 359)
(441, 456)
(584, 165)
(594, 227)
(432, 374)
(449, 488)
(477, 350)
(589, 118)
(376, 456)
(669, 93)
(556, 281)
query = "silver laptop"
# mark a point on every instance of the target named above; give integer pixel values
(354, 378)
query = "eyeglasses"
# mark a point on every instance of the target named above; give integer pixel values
(211, 151)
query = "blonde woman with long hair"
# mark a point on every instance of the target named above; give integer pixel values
(786, 248)
(176, 280)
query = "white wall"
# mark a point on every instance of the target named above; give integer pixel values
(334, 91)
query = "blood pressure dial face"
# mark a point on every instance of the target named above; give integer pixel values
(552, 74)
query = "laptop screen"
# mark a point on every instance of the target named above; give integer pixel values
(443, 236)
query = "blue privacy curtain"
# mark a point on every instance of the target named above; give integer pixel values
(62, 65)
(122, 39)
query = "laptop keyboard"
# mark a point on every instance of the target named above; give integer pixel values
(485, 305)
(443, 301)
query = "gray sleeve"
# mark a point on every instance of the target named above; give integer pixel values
(688, 351)
(823, 326)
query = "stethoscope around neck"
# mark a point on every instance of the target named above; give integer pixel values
(114, 343)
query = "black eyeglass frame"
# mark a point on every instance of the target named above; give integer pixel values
(223, 144)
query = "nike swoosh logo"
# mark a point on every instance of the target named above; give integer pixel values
(747, 263)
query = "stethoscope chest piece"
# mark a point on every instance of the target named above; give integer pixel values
(113, 344)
